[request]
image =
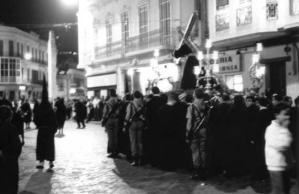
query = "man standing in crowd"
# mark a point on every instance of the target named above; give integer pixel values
(61, 113)
(277, 149)
(81, 114)
(218, 127)
(10, 150)
(152, 118)
(197, 134)
(111, 115)
(46, 122)
(135, 122)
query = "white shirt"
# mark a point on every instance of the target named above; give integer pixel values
(278, 141)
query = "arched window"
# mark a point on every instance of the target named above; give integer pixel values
(165, 29)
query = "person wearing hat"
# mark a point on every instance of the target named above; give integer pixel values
(10, 150)
(197, 133)
(46, 122)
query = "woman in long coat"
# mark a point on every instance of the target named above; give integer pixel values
(61, 113)
(47, 126)
(10, 150)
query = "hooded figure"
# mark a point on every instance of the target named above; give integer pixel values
(47, 126)
(10, 150)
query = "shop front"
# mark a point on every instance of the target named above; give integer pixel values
(98, 85)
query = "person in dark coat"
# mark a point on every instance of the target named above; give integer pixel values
(10, 150)
(217, 129)
(61, 113)
(81, 114)
(236, 140)
(152, 119)
(263, 120)
(27, 113)
(170, 133)
(47, 127)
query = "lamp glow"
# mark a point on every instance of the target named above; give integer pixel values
(215, 55)
(208, 44)
(156, 53)
(130, 72)
(216, 68)
(255, 58)
(259, 47)
(28, 56)
(200, 55)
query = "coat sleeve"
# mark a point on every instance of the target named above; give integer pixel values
(280, 141)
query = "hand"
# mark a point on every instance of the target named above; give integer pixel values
(187, 141)
(124, 129)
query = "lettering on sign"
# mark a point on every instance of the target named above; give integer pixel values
(229, 64)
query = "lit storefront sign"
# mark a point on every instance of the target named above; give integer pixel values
(102, 80)
(229, 64)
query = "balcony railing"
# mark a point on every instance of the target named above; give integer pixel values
(152, 39)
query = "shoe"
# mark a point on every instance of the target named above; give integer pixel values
(135, 161)
(113, 155)
(40, 165)
(51, 165)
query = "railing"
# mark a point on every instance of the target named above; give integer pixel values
(152, 39)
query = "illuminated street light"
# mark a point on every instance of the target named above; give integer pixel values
(200, 55)
(215, 55)
(156, 53)
(130, 72)
(259, 47)
(208, 43)
(28, 56)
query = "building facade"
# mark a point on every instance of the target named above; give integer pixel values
(235, 28)
(127, 45)
(23, 62)
(71, 84)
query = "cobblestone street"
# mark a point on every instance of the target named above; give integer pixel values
(82, 167)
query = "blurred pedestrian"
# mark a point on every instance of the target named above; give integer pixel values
(81, 114)
(277, 149)
(47, 127)
(135, 122)
(197, 117)
(26, 113)
(61, 114)
(10, 150)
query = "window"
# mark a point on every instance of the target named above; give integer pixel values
(11, 48)
(18, 49)
(165, 22)
(10, 69)
(108, 38)
(221, 3)
(1, 47)
(143, 25)
(125, 28)
(235, 82)
(22, 50)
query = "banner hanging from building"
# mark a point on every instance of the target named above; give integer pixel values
(272, 9)
(244, 15)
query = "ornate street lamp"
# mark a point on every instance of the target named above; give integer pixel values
(256, 70)
(210, 68)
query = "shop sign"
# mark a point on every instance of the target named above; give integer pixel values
(229, 64)
(294, 7)
(222, 20)
(244, 15)
(272, 10)
(101, 80)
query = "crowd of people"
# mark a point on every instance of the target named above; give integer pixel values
(220, 134)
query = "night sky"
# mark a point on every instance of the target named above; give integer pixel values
(39, 16)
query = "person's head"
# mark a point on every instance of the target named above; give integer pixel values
(128, 97)
(263, 102)
(297, 102)
(155, 90)
(225, 98)
(172, 97)
(288, 100)
(282, 114)
(138, 97)
(250, 101)
(239, 101)
(276, 98)
(112, 93)
(5, 114)
(199, 97)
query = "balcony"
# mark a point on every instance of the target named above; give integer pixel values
(134, 46)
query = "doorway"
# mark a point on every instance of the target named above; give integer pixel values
(276, 78)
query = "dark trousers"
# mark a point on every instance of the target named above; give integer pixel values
(81, 122)
(112, 128)
(280, 182)
(136, 138)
